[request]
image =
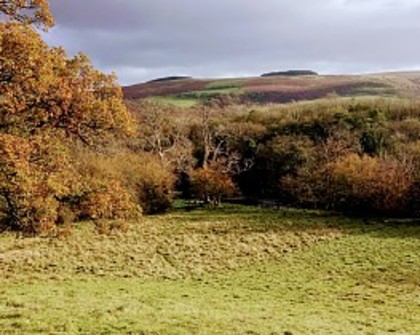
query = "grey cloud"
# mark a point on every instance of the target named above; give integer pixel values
(143, 39)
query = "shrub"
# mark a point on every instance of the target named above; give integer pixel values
(211, 186)
(141, 177)
(367, 183)
(154, 187)
(105, 199)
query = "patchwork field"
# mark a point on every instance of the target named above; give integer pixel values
(234, 270)
(279, 89)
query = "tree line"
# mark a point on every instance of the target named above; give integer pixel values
(359, 156)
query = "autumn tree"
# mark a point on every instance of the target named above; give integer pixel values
(48, 104)
(211, 186)
(42, 89)
(35, 174)
(35, 12)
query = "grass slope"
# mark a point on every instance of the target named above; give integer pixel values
(238, 270)
(282, 89)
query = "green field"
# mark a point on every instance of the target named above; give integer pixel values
(192, 98)
(234, 270)
(174, 100)
(208, 93)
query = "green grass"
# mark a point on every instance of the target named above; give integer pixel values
(208, 93)
(175, 100)
(237, 270)
(190, 99)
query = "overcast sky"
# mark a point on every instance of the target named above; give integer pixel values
(145, 39)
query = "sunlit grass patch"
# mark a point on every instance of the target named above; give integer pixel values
(232, 270)
(175, 101)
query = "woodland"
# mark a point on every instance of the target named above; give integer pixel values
(73, 149)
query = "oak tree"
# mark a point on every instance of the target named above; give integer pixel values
(42, 89)
(35, 12)
(48, 104)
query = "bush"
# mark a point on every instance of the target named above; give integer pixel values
(211, 186)
(367, 183)
(141, 177)
(154, 189)
(106, 199)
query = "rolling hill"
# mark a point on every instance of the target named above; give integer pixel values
(277, 89)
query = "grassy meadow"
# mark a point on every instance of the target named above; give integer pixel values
(232, 270)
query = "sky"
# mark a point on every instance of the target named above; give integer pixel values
(141, 40)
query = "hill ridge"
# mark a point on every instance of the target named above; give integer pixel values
(279, 88)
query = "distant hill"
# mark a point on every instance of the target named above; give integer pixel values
(290, 73)
(171, 78)
(273, 88)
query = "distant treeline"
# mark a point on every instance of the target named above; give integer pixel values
(290, 73)
(171, 78)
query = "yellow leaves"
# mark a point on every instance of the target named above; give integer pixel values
(356, 168)
(17, 179)
(34, 173)
(35, 12)
(48, 102)
(382, 183)
(211, 185)
(42, 88)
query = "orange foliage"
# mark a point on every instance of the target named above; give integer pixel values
(106, 199)
(48, 102)
(142, 177)
(42, 89)
(379, 183)
(210, 185)
(34, 174)
(35, 12)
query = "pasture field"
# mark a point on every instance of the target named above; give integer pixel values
(175, 101)
(231, 270)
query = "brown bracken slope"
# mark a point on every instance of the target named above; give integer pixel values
(279, 89)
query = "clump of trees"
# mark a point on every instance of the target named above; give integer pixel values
(290, 73)
(64, 135)
(358, 156)
(345, 155)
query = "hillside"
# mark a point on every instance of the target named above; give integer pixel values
(279, 89)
